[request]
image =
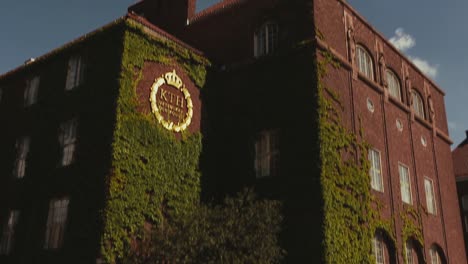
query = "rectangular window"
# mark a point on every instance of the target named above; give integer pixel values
(31, 91)
(375, 170)
(56, 221)
(405, 184)
(267, 154)
(430, 197)
(266, 39)
(22, 151)
(8, 234)
(75, 73)
(67, 139)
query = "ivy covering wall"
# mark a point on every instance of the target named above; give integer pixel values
(351, 212)
(153, 174)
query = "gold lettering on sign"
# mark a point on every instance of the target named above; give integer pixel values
(172, 108)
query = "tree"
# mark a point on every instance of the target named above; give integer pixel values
(240, 230)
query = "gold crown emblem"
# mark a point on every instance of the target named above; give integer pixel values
(173, 79)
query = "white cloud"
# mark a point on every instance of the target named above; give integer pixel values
(425, 66)
(402, 40)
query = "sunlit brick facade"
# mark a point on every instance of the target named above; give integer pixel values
(258, 119)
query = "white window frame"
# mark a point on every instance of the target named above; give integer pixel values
(31, 91)
(405, 184)
(394, 87)
(375, 170)
(75, 72)
(266, 39)
(267, 154)
(418, 104)
(364, 62)
(8, 233)
(68, 141)
(379, 249)
(430, 196)
(23, 146)
(56, 223)
(409, 252)
(435, 256)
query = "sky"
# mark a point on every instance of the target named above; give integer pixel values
(432, 33)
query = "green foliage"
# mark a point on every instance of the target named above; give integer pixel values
(242, 230)
(411, 228)
(351, 214)
(155, 182)
(153, 173)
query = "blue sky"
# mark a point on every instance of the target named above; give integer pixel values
(433, 33)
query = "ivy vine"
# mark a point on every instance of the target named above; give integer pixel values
(351, 212)
(153, 173)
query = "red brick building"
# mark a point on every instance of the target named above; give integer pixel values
(460, 167)
(260, 122)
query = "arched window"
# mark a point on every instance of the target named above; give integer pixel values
(379, 248)
(266, 39)
(364, 62)
(394, 87)
(418, 105)
(413, 252)
(383, 248)
(409, 252)
(436, 255)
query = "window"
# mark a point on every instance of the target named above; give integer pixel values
(32, 90)
(8, 234)
(430, 198)
(75, 73)
(364, 62)
(378, 247)
(418, 105)
(466, 223)
(409, 252)
(266, 39)
(435, 256)
(1, 94)
(22, 151)
(67, 139)
(405, 184)
(465, 202)
(393, 85)
(375, 170)
(267, 154)
(56, 220)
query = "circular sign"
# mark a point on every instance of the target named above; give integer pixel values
(171, 103)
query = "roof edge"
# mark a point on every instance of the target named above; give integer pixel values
(62, 48)
(161, 33)
(372, 28)
(215, 9)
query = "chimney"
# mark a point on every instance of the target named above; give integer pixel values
(169, 15)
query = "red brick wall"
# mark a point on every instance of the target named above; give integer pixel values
(432, 161)
(225, 34)
(151, 71)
